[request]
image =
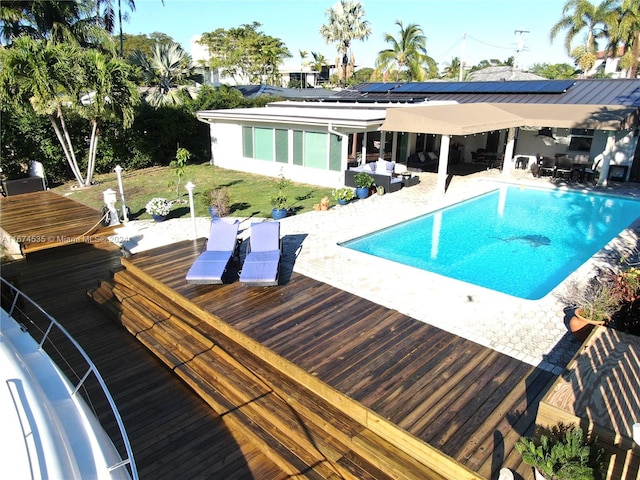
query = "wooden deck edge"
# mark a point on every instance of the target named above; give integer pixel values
(422, 452)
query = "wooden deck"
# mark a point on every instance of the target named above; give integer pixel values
(465, 400)
(41, 220)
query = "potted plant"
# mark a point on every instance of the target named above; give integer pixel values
(627, 317)
(363, 182)
(563, 455)
(595, 303)
(343, 195)
(279, 200)
(158, 208)
(217, 200)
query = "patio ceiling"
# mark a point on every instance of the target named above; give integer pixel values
(470, 118)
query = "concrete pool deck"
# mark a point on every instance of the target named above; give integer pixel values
(533, 331)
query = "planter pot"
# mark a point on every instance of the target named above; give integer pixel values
(158, 218)
(362, 192)
(213, 211)
(342, 201)
(580, 326)
(278, 213)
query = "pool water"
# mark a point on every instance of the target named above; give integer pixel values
(515, 240)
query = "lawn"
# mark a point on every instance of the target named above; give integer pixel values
(249, 194)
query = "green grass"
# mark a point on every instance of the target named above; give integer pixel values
(249, 194)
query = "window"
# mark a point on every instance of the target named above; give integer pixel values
(581, 139)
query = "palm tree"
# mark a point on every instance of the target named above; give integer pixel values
(319, 61)
(346, 24)
(625, 32)
(453, 69)
(578, 15)
(110, 95)
(168, 68)
(54, 78)
(55, 20)
(407, 53)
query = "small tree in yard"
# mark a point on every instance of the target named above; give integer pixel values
(179, 165)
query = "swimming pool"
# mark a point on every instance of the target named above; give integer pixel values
(516, 240)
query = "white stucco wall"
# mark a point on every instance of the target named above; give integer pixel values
(227, 152)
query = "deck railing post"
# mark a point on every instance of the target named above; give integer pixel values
(190, 186)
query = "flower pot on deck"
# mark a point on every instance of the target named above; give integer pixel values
(581, 326)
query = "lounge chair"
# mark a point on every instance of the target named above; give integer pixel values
(221, 246)
(262, 261)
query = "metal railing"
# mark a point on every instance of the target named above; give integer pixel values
(12, 294)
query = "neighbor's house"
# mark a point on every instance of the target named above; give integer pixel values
(315, 142)
(608, 64)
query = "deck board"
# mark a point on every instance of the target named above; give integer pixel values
(470, 402)
(174, 433)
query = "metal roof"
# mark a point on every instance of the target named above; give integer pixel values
(625, 92)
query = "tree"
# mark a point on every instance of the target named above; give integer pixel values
(246, 54)
(345, 25)
(110, 94)
(319, 62)
(407, 53)
(53, 78)
(453, 69)
(57, 21)
(554, 72)
(625, 32)
(166, 72)
(578, 15)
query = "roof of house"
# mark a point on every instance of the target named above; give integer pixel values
(255, 91)
(502, 73)
(625, 92)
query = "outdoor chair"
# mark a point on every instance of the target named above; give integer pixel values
(593, 173)
(262, 261)
(547, 166)
(564, 167)
(211, 264)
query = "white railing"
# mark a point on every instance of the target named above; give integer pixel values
(13, 295)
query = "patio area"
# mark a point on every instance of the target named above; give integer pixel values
(531, 331)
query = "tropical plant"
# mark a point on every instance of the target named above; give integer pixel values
(345, 25)
(279, 199)
(319, 61)
(158, 206)
(167, 72)
(55, 79)
(179, 165)
(580, 15)
(624, 32)
(563, 455)
(344, 193)
(58, 21)
(408, 53)
(363, 180)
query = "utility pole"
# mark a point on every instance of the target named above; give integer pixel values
(519, 48)
(461, 69)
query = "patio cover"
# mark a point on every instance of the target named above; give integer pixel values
(470, 118)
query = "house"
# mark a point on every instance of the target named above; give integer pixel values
(315, 142)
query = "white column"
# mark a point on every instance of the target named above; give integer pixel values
(507, 163)
(364, 148)
(382, 142)
(607, 156)
(443, 164)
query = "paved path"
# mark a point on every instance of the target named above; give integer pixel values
(531, 331)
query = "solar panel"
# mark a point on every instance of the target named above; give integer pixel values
(520, 86)
(381, 87)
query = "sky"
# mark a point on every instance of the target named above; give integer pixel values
(472, 29)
